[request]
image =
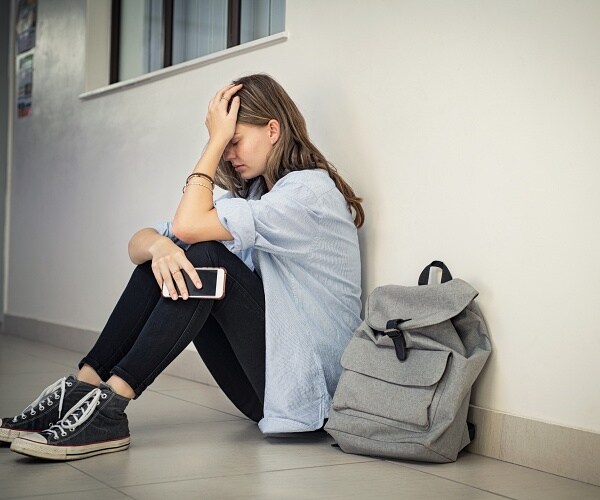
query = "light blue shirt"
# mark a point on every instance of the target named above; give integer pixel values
(301, 239)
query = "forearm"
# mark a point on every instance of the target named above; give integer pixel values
(196, 219)
(141, 243)
(197, 200)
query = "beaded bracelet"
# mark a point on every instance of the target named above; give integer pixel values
(196, 184)
(200, 174)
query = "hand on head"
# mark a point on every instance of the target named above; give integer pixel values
(221, 121)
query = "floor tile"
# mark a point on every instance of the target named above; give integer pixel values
(508, 479)
(210, 449)
(14, 363)
(206, 395)
(43, 352)
(351, 481)
(166, 382)
(156, 409)
(103, 494)
(23, 476)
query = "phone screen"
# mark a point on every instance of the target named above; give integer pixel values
(209, 283)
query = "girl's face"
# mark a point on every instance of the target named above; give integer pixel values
(248, 149)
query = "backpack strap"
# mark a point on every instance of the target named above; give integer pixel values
(392, 330)
(424, 277)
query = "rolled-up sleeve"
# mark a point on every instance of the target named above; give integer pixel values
(282, 222)
(236, 217)
(164, 228)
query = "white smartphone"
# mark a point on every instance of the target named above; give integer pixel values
(213, 284)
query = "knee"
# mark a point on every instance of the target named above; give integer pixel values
(205, 254)
(144, 269)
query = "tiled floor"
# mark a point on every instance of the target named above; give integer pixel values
(188, 441)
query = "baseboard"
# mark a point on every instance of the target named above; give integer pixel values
(552, 448)
(187, 365)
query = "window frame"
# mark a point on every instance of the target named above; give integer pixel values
(234, 11)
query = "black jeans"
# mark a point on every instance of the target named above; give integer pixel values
(145, 331)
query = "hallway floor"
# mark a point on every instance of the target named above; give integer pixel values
(188, 441)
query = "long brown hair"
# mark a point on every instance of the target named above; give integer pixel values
(261, 100)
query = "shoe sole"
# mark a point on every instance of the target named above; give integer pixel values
(9, 435)
(53, 452)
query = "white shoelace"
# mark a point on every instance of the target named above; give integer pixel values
(78, 414)
(46, 398)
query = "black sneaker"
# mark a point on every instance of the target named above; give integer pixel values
(97, 424)
(48, 408)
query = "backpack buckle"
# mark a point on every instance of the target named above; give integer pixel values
(392, 330)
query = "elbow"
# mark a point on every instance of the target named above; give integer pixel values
(137, 246)
(184, 231)
(134, 253)
(130, 250)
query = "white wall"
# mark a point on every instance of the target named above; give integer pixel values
(470, 127)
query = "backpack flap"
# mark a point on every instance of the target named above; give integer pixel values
(417, 306)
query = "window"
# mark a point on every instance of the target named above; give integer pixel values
(147, 35)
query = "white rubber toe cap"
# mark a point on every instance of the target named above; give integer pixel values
(34, 437)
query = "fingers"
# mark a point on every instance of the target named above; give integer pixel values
(158, 277)
(169, 263)
(235, 106)
(188, 268)
(221, 117)
(224, 95)
(217, 97)
(169, 274)
(169, 278)
(228, 92)
(177, 275)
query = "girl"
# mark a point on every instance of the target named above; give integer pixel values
(286, 233)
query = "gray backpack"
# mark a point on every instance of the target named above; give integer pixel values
(408, 370)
